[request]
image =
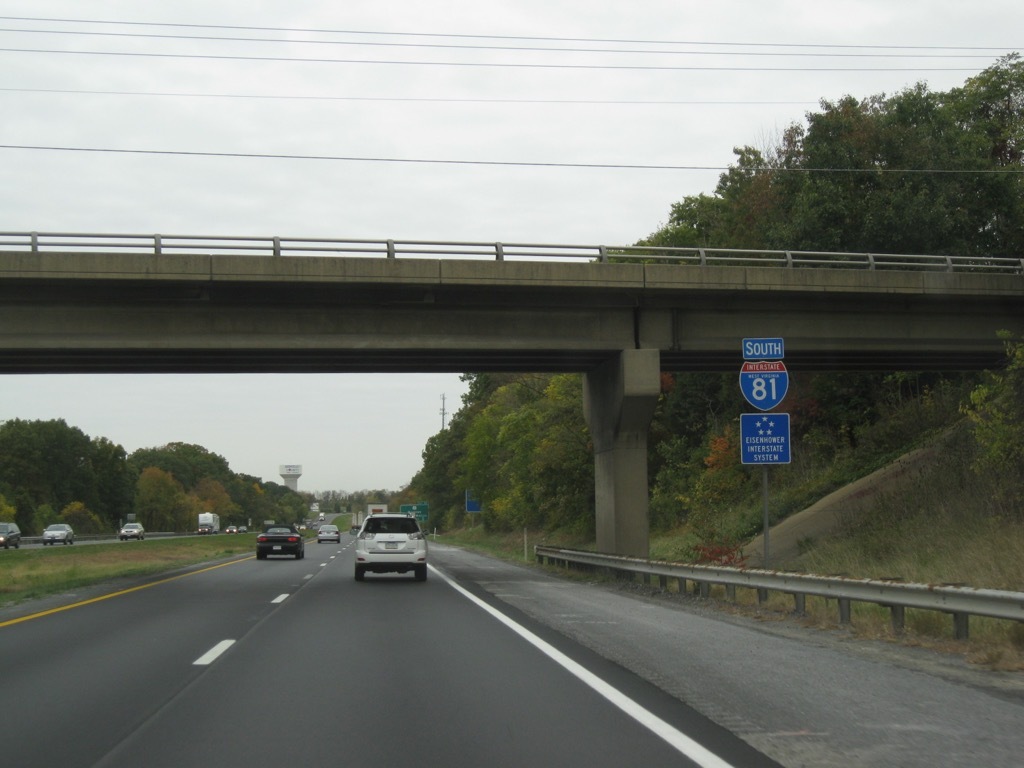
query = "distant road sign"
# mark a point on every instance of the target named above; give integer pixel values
(764, 383)
(421, 510)
(763, 349)
(764, 438)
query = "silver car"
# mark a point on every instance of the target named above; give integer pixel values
(328, 533)
(58, 533)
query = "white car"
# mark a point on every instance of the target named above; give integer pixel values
(58, 533)
(392, 543)
(132, 531)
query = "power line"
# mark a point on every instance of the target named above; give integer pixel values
(500, 37)
(831, 51)
(515, 164)
(426, 99)
(480, 64)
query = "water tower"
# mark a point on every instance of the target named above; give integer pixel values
(291, 473)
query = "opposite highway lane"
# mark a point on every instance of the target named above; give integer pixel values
(305, 666)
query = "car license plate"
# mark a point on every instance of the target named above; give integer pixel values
(277, 546)
(391, 545)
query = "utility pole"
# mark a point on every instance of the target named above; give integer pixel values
(444, 413)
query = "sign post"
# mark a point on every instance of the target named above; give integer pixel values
(764, 437)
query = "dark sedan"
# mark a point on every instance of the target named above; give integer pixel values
(10, 535)
(280, 540)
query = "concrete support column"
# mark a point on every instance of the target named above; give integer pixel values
(619, 398)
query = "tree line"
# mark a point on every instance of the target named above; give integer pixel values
(51, 472)
(915, 172)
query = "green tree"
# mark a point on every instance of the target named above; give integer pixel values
(187, 462)
(161, 503)
(81, 519)
(211, 496)
(997, 412)
(46, 462)
(7, 511)
(115, 481)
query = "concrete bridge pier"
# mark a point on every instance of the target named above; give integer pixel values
(619, 398)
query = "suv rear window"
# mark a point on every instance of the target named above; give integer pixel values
(401, 525)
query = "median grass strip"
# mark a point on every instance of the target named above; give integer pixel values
(26, 574)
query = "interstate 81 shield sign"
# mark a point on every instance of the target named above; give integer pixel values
(764, 383)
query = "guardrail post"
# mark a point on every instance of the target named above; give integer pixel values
(391, 249)
(705, 589)
(499, 251)
(277, 246)
(34, 238)
(703, 257)
(602, 254)
(158, 245)
(681, 584)
(844, 610)
(799, 603)
(730, 591)
(899, 615)
(762, 596)
(961, 625)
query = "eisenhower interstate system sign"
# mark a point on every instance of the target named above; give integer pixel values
(764, 438)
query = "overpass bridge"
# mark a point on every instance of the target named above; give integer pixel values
(121, 303)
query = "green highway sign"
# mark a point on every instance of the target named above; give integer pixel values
(421, 511)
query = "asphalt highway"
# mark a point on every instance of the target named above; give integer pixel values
(283, 661)
(289, 661)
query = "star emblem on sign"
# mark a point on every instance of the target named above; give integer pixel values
(760, 426)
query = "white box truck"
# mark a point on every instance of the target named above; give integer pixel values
(209, 522)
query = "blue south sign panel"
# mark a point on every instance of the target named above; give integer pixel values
(764, 438)
(764, 383)
(764, 349)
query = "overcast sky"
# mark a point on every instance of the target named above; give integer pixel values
(371, 89)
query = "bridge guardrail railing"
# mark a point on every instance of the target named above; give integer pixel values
(957, 600)
(276, 246)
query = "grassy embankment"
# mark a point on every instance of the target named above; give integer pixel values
(26, 574)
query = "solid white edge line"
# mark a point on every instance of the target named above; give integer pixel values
(679, 740)
(280, 598)
(211, 655)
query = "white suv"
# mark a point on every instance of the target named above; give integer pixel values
(391, 543)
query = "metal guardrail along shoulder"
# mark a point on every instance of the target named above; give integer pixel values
(277, 247)
(959, 601)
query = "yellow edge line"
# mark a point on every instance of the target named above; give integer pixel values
(118, 594)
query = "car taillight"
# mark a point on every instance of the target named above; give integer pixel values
(367, 536)
(417, 535)
(292, 539)
(261, 537)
